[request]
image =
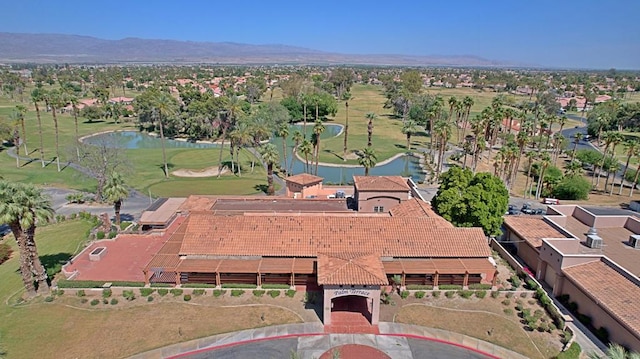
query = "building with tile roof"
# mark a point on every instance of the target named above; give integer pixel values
(590, 255)
(320, 244)
(380, 193)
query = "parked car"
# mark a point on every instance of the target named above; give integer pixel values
(527, 209)
(513, 210)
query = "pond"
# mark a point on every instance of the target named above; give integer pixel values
(404, 166)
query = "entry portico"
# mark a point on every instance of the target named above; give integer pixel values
(351, 276)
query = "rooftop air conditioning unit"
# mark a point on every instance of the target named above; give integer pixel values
(634, 241)
(594, 241)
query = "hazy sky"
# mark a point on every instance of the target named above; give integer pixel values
(576, 34)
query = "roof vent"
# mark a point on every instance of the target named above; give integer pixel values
(634, 241)
(592, 230)
(594, 241)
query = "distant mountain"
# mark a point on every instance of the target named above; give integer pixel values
(57, 48)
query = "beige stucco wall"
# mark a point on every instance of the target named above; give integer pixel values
(371, 292)
(601, 318)
(367, 205)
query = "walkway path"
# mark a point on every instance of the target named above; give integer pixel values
(308, 341)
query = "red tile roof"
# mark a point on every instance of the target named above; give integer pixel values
(418, 208)
(613, 291)
(305, 236)
(350, 268)
(532, 229)
(380, 183)
(304, 179)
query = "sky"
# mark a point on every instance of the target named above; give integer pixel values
(600, 34)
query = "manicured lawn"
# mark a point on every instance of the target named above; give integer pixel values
(74, 330)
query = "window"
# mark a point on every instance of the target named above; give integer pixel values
(378, 209)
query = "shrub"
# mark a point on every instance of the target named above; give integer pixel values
(237, 292)
(508, 311)
(218, 292)
(176, 292)
(450, 287)
(275, 286)
(495, 294)
(75, 198)
(150, 298)
(519, 307)
(84, 300)
(94, 302)
(564, 299)
(506, 302)
(290, 293)
(436, 293)
(509, 295)
(524, 295)
(531, 301)
(240, 285)
(515, 281)
(573, 352)
(106, 293)
(519, 301)
(531, 284)
(128, 295)
(145, 292)
(542, 327)
(273, 293)
(163, 291)
(404, 294)
(58, 292)
(572, 306)
(584, 319)
(114, 301)
(449, 294)
(481, 293)
(538, 313)
(105, 301)
(526, 313)
(5, 252)
(80, 293)
(572, 188)
(419, 287)
(258, 293)
(466, 294)
(48, 299)
(124, 225)
(420, 294)
(310, 297)
(113, 234)
(198, 292)
(100, 235)
(187, 297)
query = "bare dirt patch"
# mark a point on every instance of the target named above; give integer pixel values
(207, 172)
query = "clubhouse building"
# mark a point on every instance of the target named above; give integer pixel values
(348, 248)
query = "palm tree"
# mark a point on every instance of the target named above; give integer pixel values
(631, 148)
(346, 97)
(270, 157)
(297, 137)
(573, 169)
(370, 116)
(74, 103)
(368, 159)
(283, 132)
(615, 351)
(233, 110)
(467, 103)
(55, 99)
(442, 129)
(38, 95)
(608, 140)
(409, 128)
(22, 111)
(545, 161)
(531, 156)
(14, 116)
(115, 192)
(576, 139)
(240, 137)
(306, 149)
(318, 129)
(22, 207)
(164, 106)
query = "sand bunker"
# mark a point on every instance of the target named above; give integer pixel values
(207, 172)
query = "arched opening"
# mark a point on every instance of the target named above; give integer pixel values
(351, 310)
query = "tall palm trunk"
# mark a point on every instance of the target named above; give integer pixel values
(624, 173)
(540, 181)
(38, 270)
(317, 153)
(270, 190)
(116, 208)
(164, 152)
(346, 131)
(55, 124)
(25, 259)
(40, 130)
(238, 148)
(224, 135)
(284, 154)
(24, 138)
(304, 120)
(526, 183)
(75, 118)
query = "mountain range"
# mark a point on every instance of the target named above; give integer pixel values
(59, 48)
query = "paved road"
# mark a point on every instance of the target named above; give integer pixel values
(314, 346)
